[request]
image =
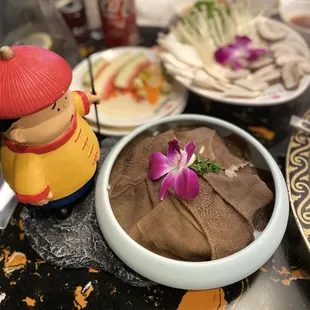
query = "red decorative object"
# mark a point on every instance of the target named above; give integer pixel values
(74, 15)
(119, 22)
(32, 79)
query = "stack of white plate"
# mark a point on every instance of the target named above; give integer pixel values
(119, 116)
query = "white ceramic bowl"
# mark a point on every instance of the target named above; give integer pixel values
(194, 275)
(293, 8)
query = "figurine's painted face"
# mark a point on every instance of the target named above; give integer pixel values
(46, 125)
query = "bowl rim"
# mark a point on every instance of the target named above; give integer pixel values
(279, 217)
(285, 8)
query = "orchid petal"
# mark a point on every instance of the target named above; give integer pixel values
(237, 64)
(231, 55)
(243, 41)
(186, 183)
(238, 55)
(159, 166)
(255, 53)
(224, 54)
(190, 150)
(183, 159)
(174, 152)
(232, 46)
(168, 182)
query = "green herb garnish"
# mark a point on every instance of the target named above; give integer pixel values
(209, 5)
(205, 165)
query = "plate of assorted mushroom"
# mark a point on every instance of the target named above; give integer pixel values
(219, 50)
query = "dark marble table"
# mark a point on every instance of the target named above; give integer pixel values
(282, 283)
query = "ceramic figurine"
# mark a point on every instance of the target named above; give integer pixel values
(49, 153)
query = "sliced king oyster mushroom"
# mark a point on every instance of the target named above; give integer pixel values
(301, 71)
(239, 92)
(225, 74)
(189, 74)
(268, 74)
(302, 50)
(280, 45)
(183, 52)
(279, 53)
(282, 60)
(169, 58)
(305, 66)
(270, 32)
(238, 74)
(283, 48)
(198, 78)
(294, 45)
(261, 63)
(264, 71)
(291, 75)
(271, 78)
(217, 72)
(226, 85)
(210, 85)
(252, 85)
(203, 80)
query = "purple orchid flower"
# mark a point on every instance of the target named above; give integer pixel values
(239, 54)
(176, 165)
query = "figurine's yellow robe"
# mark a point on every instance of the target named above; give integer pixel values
(61, 167)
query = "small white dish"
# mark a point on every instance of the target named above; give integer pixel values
(273, 95)
(117, 112)
(290, 9)
(194, 275)
(123, 131)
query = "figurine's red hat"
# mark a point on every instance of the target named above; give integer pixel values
(31, 79)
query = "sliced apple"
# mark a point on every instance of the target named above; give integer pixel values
(130, 71)
(98, 66)
(105, 81)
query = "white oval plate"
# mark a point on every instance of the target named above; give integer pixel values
(116, 112)
(273, 95)
(123, 131)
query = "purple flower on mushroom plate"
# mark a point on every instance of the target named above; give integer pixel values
(238, 54)
(176, 168)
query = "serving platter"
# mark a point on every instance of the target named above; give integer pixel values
(298, 180)
(123, 131)
(123, 111)
(273, 95)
